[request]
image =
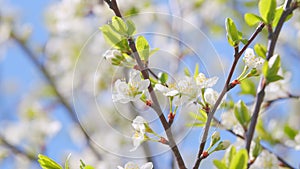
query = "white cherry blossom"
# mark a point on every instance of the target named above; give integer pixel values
(111, 54)
(139, 134)
(204, 82)
(265, 160)
(131, 91)
(211, 96)
(131, 165)
(251, 60)
(167, 91)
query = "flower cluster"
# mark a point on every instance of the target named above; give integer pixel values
(252, 61)
(131, 91)
(131, 165)
(190, 89)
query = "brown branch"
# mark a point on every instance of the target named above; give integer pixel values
(155, 105)
(34, 59)
(228, 86)
(264, 147)
(16, 150)
(273, 37)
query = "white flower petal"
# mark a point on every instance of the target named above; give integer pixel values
(148, 165)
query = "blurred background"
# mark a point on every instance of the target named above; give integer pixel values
(55, 86)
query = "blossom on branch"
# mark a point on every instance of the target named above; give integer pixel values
(252, 61)
(204, 82)
(140, 126)
(131, 91)
(131, 165)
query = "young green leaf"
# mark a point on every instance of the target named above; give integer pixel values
(153, 51)
(242, 114)
(252, 19)
(119, 25)
(240, 160)
(260, 50)
(131, 27)
(163, 77)
(232, 32)
(290, 132)
(47, 163)
(67, 162)
(267, 9)
(143, 47)
(187, 72)
(196, 71)
(257, 148)
(219, 164)
(248, 87)
(112, 37)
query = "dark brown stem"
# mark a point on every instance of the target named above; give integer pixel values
(226, 88)
(155, 105)
(34, 59)
(264, 147)
(273, 37)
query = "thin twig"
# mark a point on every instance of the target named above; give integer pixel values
(155, 105)
(34, 59)
(226, 88)
(273, 37)
(16, 150)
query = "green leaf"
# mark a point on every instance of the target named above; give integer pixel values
(47, 163)
(196, 71)
(200, 118)
(119, 25)
(230, 154)
(248, 87)
(290, 132)
(277, 15)
(88, 167)
(252, 19)
(261, 50)
(257, 148)
(110, 35)
(187, 72)
(232, 32)
(153, 51)
(242, 114)
(275, 66)
(131, 27)
(240, 160)
(267, 9)
(143, 47)
(265, 69)
(163, 77)
(67, 162)
(274, 78)
(219, 164)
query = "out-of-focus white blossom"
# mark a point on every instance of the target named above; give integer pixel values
(204, 82)
(131, 91)
(251, 60)
(229, 121)
(211, 96)
(265, 160)
(131, 165)
(279, 88)
(5, 29)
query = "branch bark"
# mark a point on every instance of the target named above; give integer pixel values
(273, 37)
(155, 105)
(227, 87)
(34, 59)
